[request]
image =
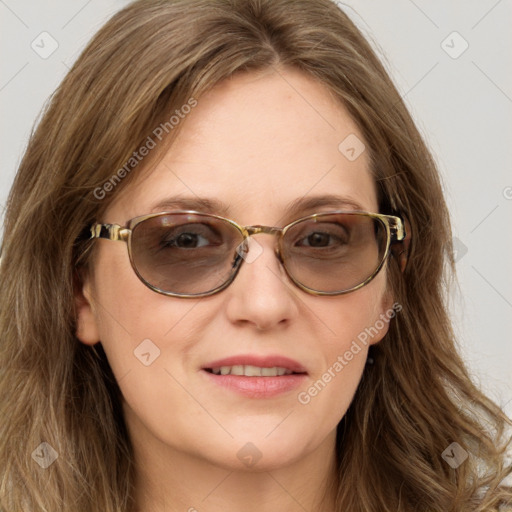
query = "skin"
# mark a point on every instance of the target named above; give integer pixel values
(257, 142)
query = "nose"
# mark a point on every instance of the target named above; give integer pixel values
(262, 294)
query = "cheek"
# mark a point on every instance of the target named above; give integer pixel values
(138, 327)
(356, 318)
(354, 323)
(148, 339)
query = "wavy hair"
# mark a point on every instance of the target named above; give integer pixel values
(148, 60)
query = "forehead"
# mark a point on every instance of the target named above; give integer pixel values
(257, 145)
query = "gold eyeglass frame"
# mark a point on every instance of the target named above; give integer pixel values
(395, 232)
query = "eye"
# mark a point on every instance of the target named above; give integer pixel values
(190, 236)
(322, 235)
(317, 239)
(184, 241)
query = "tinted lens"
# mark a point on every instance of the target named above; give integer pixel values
(334, 252)
(184, 253)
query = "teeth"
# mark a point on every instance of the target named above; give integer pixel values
(238, 369)
(251, 371)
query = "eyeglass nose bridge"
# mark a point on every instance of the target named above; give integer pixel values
(268, 230)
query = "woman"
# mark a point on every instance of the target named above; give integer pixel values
(160, 351)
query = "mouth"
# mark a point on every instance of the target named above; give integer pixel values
(256, 377)
(251, 371)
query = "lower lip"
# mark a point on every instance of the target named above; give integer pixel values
(258, 387)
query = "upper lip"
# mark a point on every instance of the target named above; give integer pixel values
(269, 361)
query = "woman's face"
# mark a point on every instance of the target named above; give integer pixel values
(257, 143)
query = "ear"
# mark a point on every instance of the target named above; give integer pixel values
(388, 308)
(383, 315)
(86, 324)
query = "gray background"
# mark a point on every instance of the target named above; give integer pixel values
(461, 100)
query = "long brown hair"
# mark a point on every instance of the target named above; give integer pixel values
(149, 60)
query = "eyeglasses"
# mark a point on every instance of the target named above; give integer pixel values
(190, 254)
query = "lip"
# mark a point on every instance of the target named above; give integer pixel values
(261, 361)
(257, 387)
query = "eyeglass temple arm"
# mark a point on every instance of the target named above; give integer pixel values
(110, 232)
(396, 229)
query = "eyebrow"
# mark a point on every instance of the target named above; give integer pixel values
(214, 206)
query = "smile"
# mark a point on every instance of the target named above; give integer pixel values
(250, 371)
(255, 376)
